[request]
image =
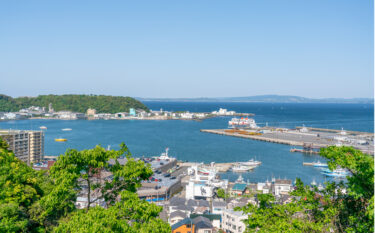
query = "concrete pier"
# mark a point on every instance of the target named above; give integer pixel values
(313, 139)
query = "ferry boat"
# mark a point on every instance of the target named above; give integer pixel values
(61, 139)
(42, 127)
(67, 129)
(242, 122)
(251, 162)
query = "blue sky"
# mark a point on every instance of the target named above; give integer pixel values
(187, 48)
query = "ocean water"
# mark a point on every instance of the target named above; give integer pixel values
(186, 142)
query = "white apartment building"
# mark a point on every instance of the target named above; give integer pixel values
(232, 221)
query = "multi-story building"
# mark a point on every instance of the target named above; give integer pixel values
(232, 221)
(27, 145)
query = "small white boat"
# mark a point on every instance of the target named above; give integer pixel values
(340, 172)
(240, 179)
(42, 127)
(251, 162)
(319, 164)
(241, 168)
(67, 129)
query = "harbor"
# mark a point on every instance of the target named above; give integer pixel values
(309, 139)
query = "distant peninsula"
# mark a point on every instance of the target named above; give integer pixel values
(267, 99)
(75, 103)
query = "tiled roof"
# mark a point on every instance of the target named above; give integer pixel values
(181, 223)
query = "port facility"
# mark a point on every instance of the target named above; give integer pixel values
(307, 138)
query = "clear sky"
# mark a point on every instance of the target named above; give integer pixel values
(175, 48)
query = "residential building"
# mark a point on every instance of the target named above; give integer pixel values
(90, 112)
(281, 186)
(215, 219)
(176, 216)
(27, 145)
(232, 221)
(184, 226)
(218, 207)
(238, 189)
(202, 225)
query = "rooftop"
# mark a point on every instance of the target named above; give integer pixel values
(239, 187)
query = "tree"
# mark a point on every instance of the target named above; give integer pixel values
(357, 205)
(37, 201)
(129, 215)
(340, 207)
(20, 188)
(87, 167)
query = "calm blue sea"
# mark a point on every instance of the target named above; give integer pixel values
(186, 142)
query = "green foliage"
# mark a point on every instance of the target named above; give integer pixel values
(75, 103)
(221, 193)
(357, 206)
(88, 166)
(129, 215)
(36, 201)
(340, 207)
(19, 189)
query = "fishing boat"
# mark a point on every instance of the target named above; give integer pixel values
(241, 168)
(335, 173)
(319, 164)
(61, 139)
(42, 127)
(239, 179)
(67, 129)
(251, 162)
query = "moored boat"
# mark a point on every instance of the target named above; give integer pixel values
(319, 164)
(251, 162)
(67, 129)
(61, 139)
(241, 168)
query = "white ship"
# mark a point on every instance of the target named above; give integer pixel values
(42, 127)
(242, 122)
(251, 162)
(242, 168)
(67, 129)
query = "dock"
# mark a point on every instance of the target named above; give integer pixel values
(307, 164)
(219, 167)
(304, 151)
(315, 138)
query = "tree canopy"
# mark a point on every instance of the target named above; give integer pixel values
(37, 201)
(75, 103)
(339, 207)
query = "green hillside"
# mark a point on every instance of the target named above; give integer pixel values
(75, 103)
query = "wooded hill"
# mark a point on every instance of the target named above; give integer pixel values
(75, 103)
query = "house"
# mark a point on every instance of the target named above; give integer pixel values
(184, 226)
(176, 216)
(218, 207)
(215, 219)
(238, 189)
(281, 186)
(202, 225)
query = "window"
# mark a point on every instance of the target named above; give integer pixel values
(207, 231)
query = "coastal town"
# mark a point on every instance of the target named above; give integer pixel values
(37, 112)
(193, 196)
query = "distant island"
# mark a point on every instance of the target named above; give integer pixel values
(74, 103)
(266, 99)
